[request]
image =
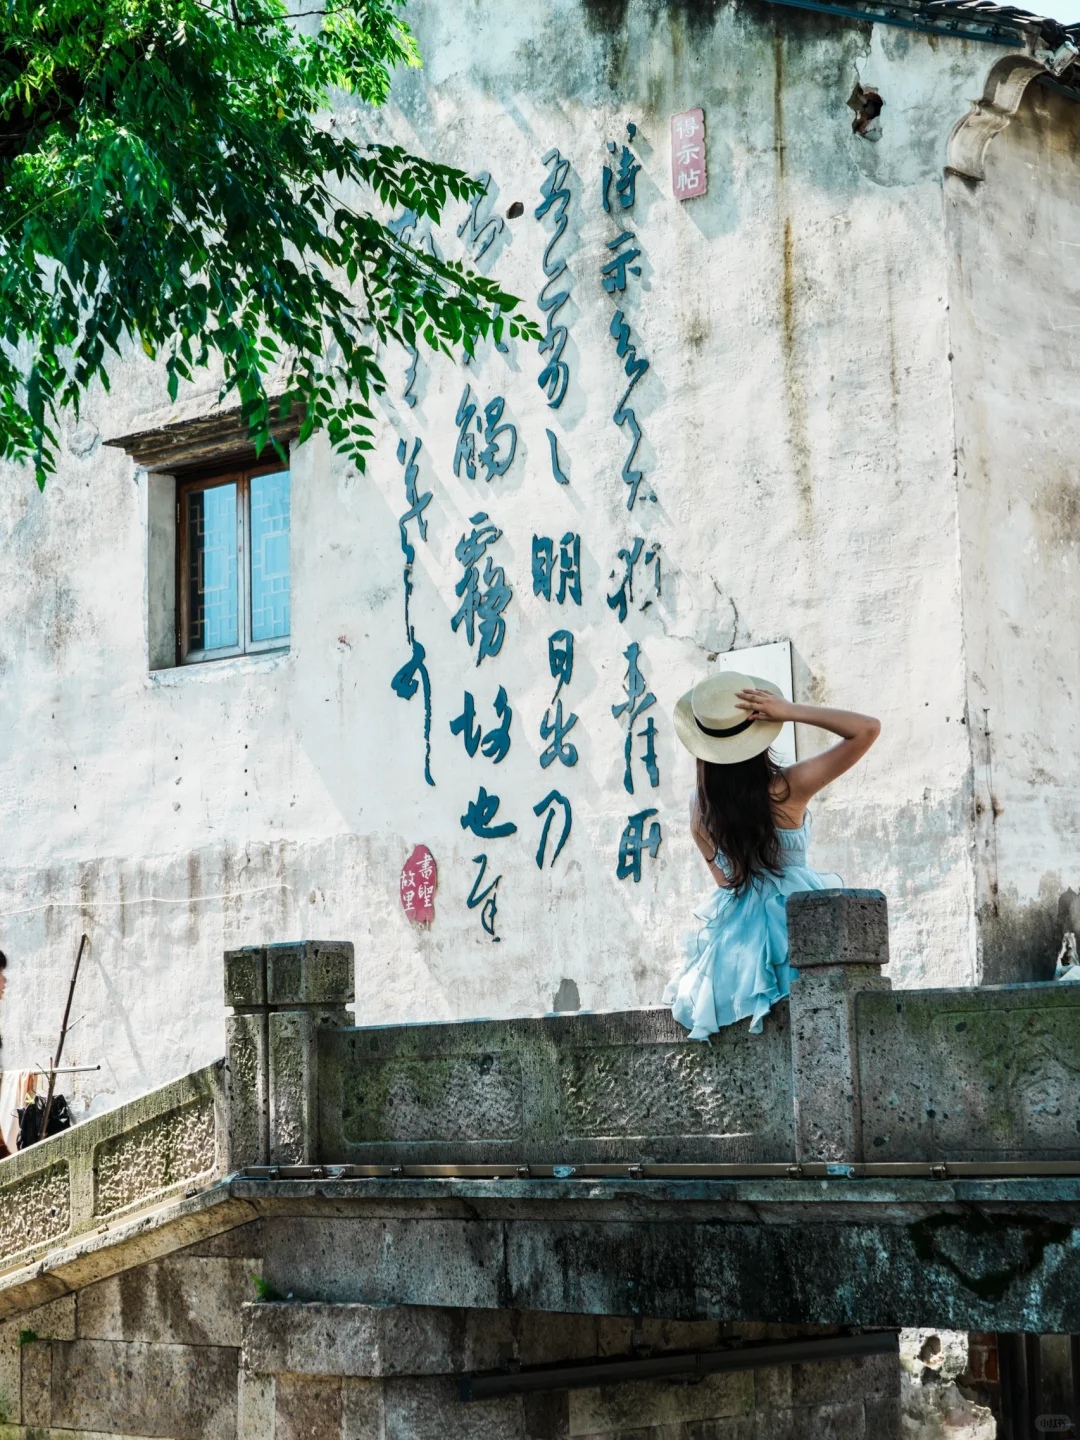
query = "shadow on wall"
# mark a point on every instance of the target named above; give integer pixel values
(1020, 943)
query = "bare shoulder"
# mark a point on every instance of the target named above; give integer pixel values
(788, 807)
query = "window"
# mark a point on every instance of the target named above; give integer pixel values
(232, 577)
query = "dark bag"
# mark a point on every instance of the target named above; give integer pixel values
(31, 1116)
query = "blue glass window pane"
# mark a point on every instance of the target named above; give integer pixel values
(213, 613)
(270, 556)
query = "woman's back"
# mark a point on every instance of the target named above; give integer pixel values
(793, 840)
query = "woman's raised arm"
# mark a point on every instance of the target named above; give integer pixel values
(807, 777)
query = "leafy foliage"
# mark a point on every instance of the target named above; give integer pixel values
(265, 1292)
(169, 175)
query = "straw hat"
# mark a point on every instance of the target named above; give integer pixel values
(712, 727)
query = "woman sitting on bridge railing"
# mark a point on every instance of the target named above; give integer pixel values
(749, 820)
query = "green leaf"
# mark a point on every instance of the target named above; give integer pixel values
(166, 181)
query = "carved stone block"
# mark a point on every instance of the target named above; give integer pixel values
(637, 1090)
(314, 972)
(838, 927)
(622, 1086)
(838, 942)
(988, 1074)
(453, 1097)
(155, 1156)
(245, 977)
(34, 1209)
(293, 1088)
(247, 1090)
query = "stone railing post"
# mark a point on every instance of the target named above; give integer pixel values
(838, 941)
(281, 995)
(247, 1075)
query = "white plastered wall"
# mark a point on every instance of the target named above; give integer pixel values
(1015, 317)
(798, 436)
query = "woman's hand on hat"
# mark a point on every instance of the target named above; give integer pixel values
(764, 705)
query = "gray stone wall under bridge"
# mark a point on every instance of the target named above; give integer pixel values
(503, 1203)
(179, 1348)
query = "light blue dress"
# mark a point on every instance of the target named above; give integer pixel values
(736, 959)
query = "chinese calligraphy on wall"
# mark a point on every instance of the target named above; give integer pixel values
(484, 449)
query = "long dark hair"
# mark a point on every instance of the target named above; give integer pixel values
(735, 810)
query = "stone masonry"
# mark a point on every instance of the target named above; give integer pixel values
(574, 1226)
(182, 1348)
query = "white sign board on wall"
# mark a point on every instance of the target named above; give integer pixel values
(768, 662)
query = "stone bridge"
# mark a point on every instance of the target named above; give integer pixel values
(874, 1159)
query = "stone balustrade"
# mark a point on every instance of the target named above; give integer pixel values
(184, 1137)
(848, 1073)
(555, 1089)
(111, 1168)
(990, 1074)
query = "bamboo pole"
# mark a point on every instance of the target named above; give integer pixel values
(54, 1060)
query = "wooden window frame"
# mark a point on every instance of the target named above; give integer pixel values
(241, 476)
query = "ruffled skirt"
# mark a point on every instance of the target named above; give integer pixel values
(736, 958)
